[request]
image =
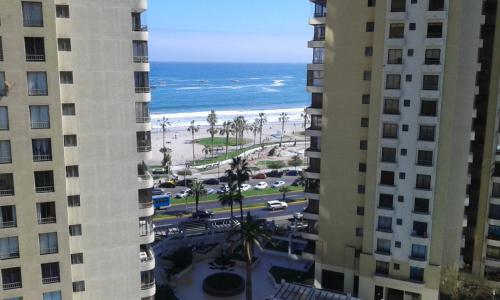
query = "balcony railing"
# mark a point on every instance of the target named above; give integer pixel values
(49, 250)
(419, 234)
(10, 255)
(383, 252)
(145, 148)
(139, 27)
(7, 192)
(40, 125)
(313, 170)
(8, 224)
(143, 119)
(53, 279)
(47, 220)
(38, 92)
(143, 205)
(42, 157)
(147, 285)
(44, 189)
(384, 229)
(432, 61)
(35, 57)
(142, 89)
(33, 22)
(12, 285)
(417, 257)
(141, 59)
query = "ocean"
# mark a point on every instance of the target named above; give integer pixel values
(188, 91)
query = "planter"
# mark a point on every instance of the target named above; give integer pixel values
(223, 285)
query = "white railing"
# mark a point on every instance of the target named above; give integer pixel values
(143, 205)
(8, 224)
(35, 57)
(38, 92)
(5, 159)
(44, 189)
(49, 250)
(9, 255)
(48, 280)
(147, 258)
(142, 89)
(47, 220)
(141, 59)
(8, 192)
(146, 286)
(12, 285)
(144, 119)
(40, 125)
(139, 27)
(146, 148)
(42, 157)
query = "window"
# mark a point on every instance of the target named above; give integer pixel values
(147, 279)
(32, 14)
(368, 51)
(50, 273)
(364, 122)
(398, 5)
(417, 274)
(409, 78)
(399, 222)
(144, 141)
(401, 199)
(75, 230)
(142, 112)
(319, 32)
(405, 127)
(72, 171)
(430, 82)
(361, 189)
(6, 184)
(52, 295)
(8, 216)
(396, 267)
(140, 51)
(390, 131)
(37, 84)
(494, 212)
(4, 117)
(46, 212)
(426, 133)
(74, 200)
(39, 116)
(365, 99)
(435, 30)
(493, 252)
(11, 278)
(77, 258)
(423, 182)
(66, 77)
(410, 52)
(391, 106)
(404, 151)
(495, 192)
(363, 145)
(371, 3)
(413, 26)
(360, 211)
(395, 56)
(436, 5)
(5, 152)
(428, 108)
(78, 286)
(1, 49)
(9, 248)
(386, 177)
(386, 201)
(42, 149)
(3, 86)
(48, 243)
(137, 22)
(424, 158)
(362, 167)
(382, 267)
(384, 246)
(44, 181)
(418, 251)
(419, 229)
(432, 56)
(315, 78)
(68, 109)
(359, 232)
(63, 44)
(388, 154)
(70, 140)
(141, 80)
(62, 11)
(396, 30)
(35, 48)
(393, 82)
(370, 26)
(397, 244)
(319, 10)
(421, 206)
(407, 103)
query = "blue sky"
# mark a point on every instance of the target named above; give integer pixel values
(229, 30)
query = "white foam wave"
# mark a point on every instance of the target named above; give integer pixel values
(189, 88)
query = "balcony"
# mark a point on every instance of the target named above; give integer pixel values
(384, 229)
(385, 252)
(47, 220)
(142, 89)
(142, 119)
(12, 285)
(10, 255)
(38, 92)
(147, 285)
(45, 189)
(6, 184)
(8, 224)
(35, 57)
(143, 141)
(419, 234)
(137, 22)
(139, 27)
(40, 125)
(49, 250)
(44, 181)
(49, 280)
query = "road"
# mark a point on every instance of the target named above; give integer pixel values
(261, 212)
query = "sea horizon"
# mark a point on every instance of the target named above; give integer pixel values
(186, 91)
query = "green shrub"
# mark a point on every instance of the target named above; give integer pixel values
(275, 164)
(184, 172)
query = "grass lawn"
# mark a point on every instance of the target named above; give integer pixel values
(222, 157)
(220, 141)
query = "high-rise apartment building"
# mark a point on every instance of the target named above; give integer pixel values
(75, 198)
(403, 185)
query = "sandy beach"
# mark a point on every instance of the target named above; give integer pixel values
(179, 140)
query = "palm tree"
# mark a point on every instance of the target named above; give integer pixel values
(228, 198)
(164, 123)
(227, 130)
(198, 190)
(193, 129)
(284, 189)
(167, 160)
(262, 122)
(283, 118)
(250, 235)
(207, 150)
(212, 121)
(255, 129)
(240, 173)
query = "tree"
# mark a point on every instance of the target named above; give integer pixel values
(240, 173)
(254, 128)
(239, 125)
(228, 198)
(198, 190)
(212, 130)
(283, 190)
(207, 150)
(283, 118)
(262, 122)
(193, 129)
(166, 162)
(164, 123)
(461, 286)
(295, 161)
(227, 130)
(250, 235)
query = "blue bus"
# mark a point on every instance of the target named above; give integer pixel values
(161, 201)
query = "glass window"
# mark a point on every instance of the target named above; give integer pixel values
(78, 286)
(387, 177)
(74, 200)
(428, 108)
(390, 131)
(37, 84)
(68, 109)
(70, 140)
(382, 267)
(388, 154)
(494, 212)
(435, 30)
(395, 56)
(5, 152)
(421, 205)
(48, 243)
(495, 192)
(432, 56)
(63, 44)
(35, 48)
(32, 14)
(3, 86)
(77, 258)
(9, 247)
(42, 149)
(424, 157)
(140, 49)
(423, 182)
(398, 5)
(396, 30)
(391, 106)
(393, 82)
(430, 82)
(52, 295)
(319, 32)
(72, 171)
(142, 112)
(1, 49)
(417, 274)
(62, 11)
(386, 201)
(385, 224)
(436, 5)
(418, 251)
(141, 80)
(66, 77)
(426, 133)
(383, 246)
(39, 115)
(50, 273)
(75, 230)
(11, 278)
(318, 55)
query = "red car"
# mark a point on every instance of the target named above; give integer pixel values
(260, 176)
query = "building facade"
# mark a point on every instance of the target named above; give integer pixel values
(75, 197)
(404, 124)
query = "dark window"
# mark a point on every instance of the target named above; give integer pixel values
(397, 244)
(384, 224)
(74, 200)
(402, 175)
(423, 182)
(66, 77)
(137, 22)
(365, 99)
(494, 212)
(371, 3)
(424, 158)
(68, 109)
(386, 177)
(421, 205)
(140, 52)
(70, 140)
(432, 56)
(77, 258)
(390, 131)
(78, 286)
(417, 274)
(410, 52)
(72, 171)
(360, 211)
(367, 75)
(388, 154)
(397, 31)
(430, 82)
(413, 26)
(436, 5)
(35, 48)
(364, 122)
(384, 246)
(407, 102)
(63, 44)
(426, 133)
(361, 189)
(409, 78)
(368, 51)
(398, 5)
(37, 84)
(393, 82)
(32, 14)
(75, 230)
(44, 181)
(62, 11)
(370, 26)
(50, 273)
(141, 80)
(419, 229)
(11, 278)
(362, 167)
(404, 151)
(401, 199)
(1, 49)
(386, 201)
(399, 221)
(382, 267)
(46, 212)
(419, 251)
(396, 267)
(359, 232)
(395, 56)
(428, 108)
(319, 32)
(363, 145)
(405, 127)
(435, 30)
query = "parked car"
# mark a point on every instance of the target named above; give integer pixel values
(202, 214)
(210, 191)
(275, 174)
(223, 189)
(211, 181)
(275, 204)
(259, 176)
(245, 187)
(277, 184)
(292, 173)
(223, 179)
(167, 184)
(297, 182)
(158, 171)
(185, 182)
(261, 185)
(157, 192)
(183, 194)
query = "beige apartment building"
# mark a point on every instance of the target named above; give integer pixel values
(75, 198)
(404, 177)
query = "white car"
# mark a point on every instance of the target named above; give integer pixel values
(261, 185)
(277, 184)
(275, 204)
(210, 191)
(183, 194)
(245, 187)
